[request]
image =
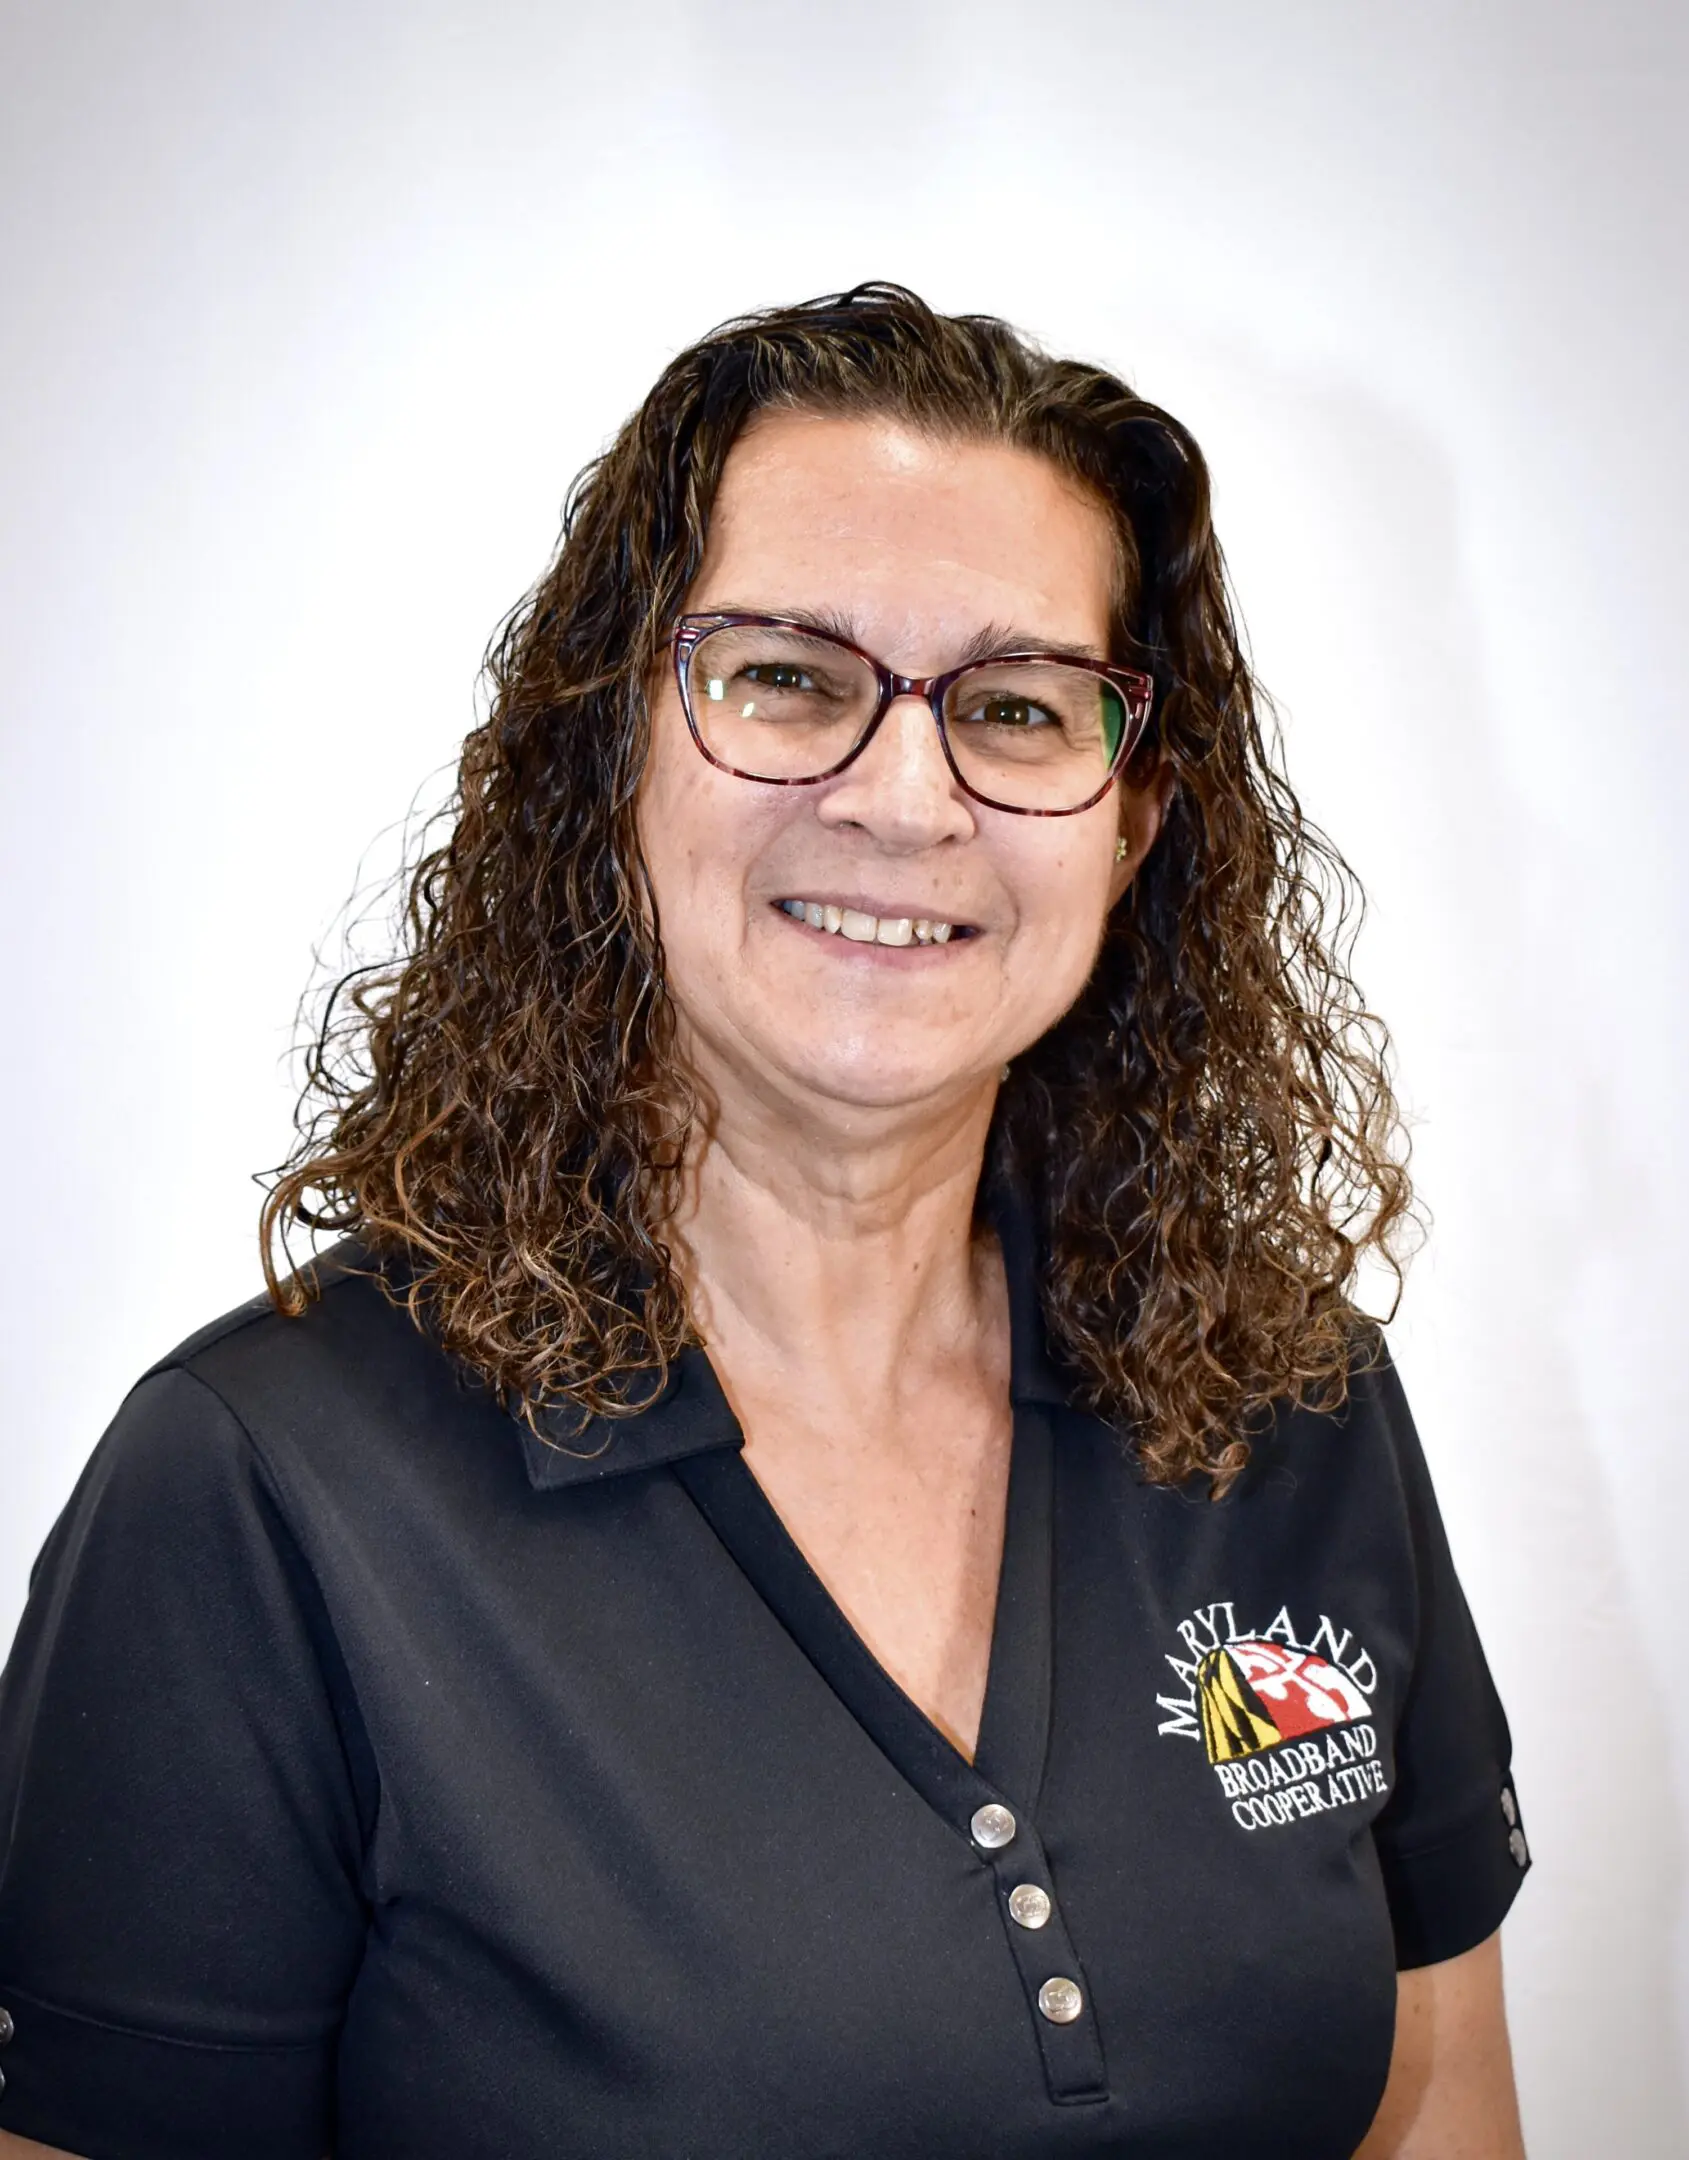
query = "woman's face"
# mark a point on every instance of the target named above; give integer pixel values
(918, 547)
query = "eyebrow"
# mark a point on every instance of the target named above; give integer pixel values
(993, 641)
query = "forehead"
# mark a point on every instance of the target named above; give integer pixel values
(921, 540)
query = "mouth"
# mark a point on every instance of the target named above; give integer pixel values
(862, 928)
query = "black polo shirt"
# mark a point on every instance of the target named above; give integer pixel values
(375, 1777)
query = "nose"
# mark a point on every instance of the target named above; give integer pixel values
(899, 790)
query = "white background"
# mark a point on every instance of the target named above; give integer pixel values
(308, 314)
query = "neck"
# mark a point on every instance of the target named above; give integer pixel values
(845, 1252)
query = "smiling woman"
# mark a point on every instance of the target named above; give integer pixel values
(1210, 1136)
(828, 1566)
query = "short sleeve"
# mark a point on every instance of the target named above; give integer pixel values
(1450, 1841)
(183, 1803)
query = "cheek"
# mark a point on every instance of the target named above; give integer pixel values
(1064, 907)
(701, 833)
(678, 813)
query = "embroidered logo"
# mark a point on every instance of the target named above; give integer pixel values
(1285, 1722)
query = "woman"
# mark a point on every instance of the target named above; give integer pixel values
(828, 1568)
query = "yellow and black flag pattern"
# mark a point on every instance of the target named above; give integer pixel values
(1234, 1718)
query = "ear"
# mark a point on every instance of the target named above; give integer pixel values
(1143, 805)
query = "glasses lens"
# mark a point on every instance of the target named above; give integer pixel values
(1036, 734)
(776, 703)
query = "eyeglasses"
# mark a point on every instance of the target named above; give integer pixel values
(772, 700)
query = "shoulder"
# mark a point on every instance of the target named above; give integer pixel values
(351, 1294)
(353, 1353)
(307, 1411)
(1363, 1449)
(1331, 1526)
(1304, 1457)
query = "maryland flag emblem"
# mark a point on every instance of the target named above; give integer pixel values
(1252, 1695)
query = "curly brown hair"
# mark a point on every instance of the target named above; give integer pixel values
(1208, 1135)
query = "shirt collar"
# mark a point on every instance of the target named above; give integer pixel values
(688, 1414)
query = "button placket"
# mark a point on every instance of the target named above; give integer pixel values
(1009, 1755)
(1057, 1995)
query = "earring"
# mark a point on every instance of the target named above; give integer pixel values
(1121, 850)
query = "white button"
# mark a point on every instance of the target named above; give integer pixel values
(992, 1826)
(1029, 1905)
(1508, 1806)
(1060, 2000)
(1518, 1848)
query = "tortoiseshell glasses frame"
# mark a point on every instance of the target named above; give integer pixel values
(1135, 690)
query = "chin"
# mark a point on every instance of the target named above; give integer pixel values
(881, 1085)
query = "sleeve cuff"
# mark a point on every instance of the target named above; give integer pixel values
(1449, 1897)
(113, 2094)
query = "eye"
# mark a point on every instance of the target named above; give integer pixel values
(778, 675)
(1003, 709)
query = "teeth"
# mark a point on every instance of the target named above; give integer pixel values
(865, 929)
